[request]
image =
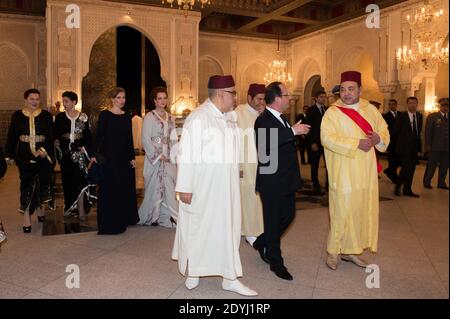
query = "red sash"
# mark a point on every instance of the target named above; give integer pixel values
(362, 123)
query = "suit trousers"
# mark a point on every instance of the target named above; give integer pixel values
(278, 213)
(315, 163)
(406, 176)
(436, 158)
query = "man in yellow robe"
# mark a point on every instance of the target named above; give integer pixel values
(352, 172)
(252, 215)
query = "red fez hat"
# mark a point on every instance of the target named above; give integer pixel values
(255, 88)
(220, 82)
(353, 76)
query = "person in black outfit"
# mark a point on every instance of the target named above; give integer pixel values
(302, 145)
(314, 119)
(73, 144)
(30, 145)
(278, 175)
(407, 131)
(117, 205)
(394, 162)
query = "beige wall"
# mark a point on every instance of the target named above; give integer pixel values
(22, 58)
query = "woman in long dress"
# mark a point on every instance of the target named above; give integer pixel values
(117, 205)
(159, 206)
(73, 143)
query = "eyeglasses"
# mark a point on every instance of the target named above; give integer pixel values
(231, 92)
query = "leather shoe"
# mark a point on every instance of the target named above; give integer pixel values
(332, 261)
(398, 190)
(262, 253)
(354, 259)
(281, 272)
(427, 186)
(410, 194)
(443, 187)
(237, 287)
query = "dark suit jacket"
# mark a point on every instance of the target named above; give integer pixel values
(390, 121)
(286, 176)
(2, 163)
(301, 138)
(314, 118)
(436, 132)
(406, 145)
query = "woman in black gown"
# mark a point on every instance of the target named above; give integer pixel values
(73, 143)
(117, 204)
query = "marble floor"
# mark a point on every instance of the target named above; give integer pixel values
(413, 256)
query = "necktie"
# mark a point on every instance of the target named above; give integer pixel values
(416, 135)
(445, 117)
(284, 120)
(321, 110)
(395, 114)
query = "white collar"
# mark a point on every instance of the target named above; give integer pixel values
(274, 112)
(252, 110)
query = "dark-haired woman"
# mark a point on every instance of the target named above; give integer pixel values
(117, 204)
(159, 206)
(73, 142)
(30, 145)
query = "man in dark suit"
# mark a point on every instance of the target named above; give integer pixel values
(407, 130)
(314, 119)
(278, 175)
(302, 145)
(436, 145)
(394, 162)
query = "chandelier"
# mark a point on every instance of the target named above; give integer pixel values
(186, 4)
(277, 70)
(428, 50)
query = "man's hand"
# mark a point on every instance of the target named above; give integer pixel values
(374, 138)
(186, 198)
(41, 154)
(241, 174)
(133, 163)
(365, 144)
(314, 147)
(300, 129)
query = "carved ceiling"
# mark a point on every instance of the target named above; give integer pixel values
(255, 18)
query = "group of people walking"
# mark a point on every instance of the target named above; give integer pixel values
(222, 184)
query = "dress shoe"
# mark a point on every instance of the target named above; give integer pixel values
(192, 282)
(354, 259)
(410, 194)
(262, 253)
(41, 219)
(443, 187)
(427, 186)
(281, 272)
(398, 190)
(26, 230)
(237, 287)
(332, 261)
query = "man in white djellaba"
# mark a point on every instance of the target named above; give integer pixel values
(209, 218)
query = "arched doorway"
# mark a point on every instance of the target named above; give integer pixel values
(121, 56)
(313, 85)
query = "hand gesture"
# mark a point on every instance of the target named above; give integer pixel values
(374, 138)
(186, 198)
(365, 144)
(300, 129)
